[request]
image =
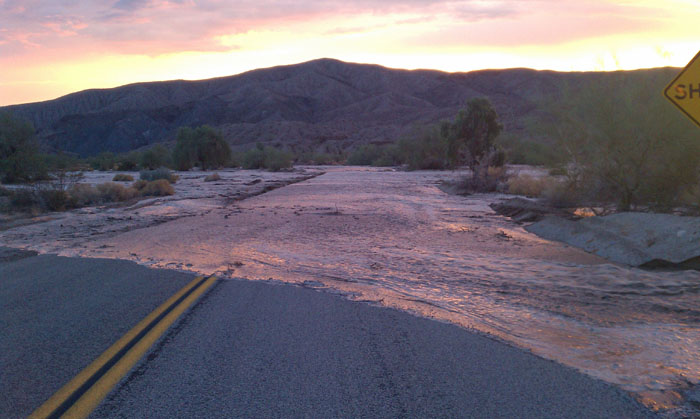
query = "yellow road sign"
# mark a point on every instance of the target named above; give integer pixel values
(684, 90)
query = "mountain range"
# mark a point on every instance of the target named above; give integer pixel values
(322, 105)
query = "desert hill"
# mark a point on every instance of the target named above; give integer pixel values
(321, 105)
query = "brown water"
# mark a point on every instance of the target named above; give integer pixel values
(393, 238)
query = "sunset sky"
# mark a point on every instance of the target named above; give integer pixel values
(53, 47)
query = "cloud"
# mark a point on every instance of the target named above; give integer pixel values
(156, 27)
(161, 26)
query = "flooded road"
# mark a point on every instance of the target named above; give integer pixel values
(395, 239)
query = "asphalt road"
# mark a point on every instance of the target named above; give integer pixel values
(252, 349)
(58, 314)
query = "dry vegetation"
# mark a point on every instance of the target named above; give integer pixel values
(121, 177)
(213, 177)
(43, 198)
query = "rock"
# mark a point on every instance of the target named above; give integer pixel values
(523, 210)
(632, 238)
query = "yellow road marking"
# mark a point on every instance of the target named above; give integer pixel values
(97, 392)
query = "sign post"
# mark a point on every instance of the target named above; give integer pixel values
(684, 90)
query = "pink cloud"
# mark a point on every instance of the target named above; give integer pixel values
(162, 26)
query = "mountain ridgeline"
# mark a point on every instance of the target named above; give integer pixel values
(323, 105)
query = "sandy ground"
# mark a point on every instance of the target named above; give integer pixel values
(63, 233)
(394, 239)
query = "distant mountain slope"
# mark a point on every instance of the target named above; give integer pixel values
(323, 105)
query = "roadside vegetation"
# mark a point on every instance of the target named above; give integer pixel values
(618, 146)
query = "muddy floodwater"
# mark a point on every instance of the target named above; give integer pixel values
(394, 238)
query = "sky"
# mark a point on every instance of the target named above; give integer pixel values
(51, 48)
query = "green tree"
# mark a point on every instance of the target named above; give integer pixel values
(203, 146)
(624, 143)
(470, 138)
(212, 150)
(155, 157)
(185, 151)
(19, 151)
(103, 161)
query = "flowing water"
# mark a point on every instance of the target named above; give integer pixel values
(395, 239)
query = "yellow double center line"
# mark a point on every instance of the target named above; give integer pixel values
(83, 394)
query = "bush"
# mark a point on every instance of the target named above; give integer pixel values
(114, 192)
(155, 157)
(530, 186)
(364, 155)
(139, 184)
(103, 161)
(160, 187)
(426, 150)
(267, 158)
(564, 195)
(494, 179)
(213, 177)
(121, 177)
(253, 158)
(128, 162)
(156, 174)
(83, 194)
(54, 199)
(321, 159)
(276, 160)
(39, 200)
(24, 199)
(629, 148)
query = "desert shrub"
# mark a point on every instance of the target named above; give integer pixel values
(83, 194)
(269, 158)
(54, 199)
(121, 177)
(493, 179)
(320, 158)
(213, 177)
(160, 187)
(236, 159)
(155, 157)
(564, 195)
(24, 199)
(253, 158)
(114, 192)
(528, 151)
(103, 161)
(530, 186)
(426, 149)
(276, 159)
(128, 161)
(156, 174)
(139, 184)
(691, 198)
(364, 155)
(389, 156)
